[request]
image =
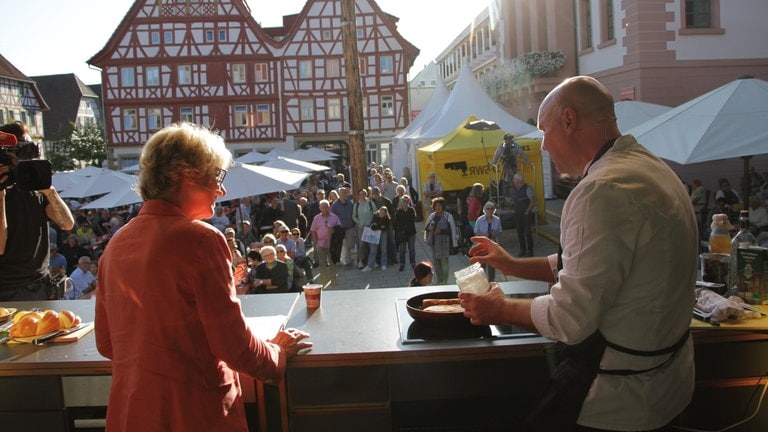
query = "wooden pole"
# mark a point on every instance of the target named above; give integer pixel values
(354, 97)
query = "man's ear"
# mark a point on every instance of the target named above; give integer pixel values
(569, 119)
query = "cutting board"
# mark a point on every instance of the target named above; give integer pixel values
(75, 335)
(759, 324)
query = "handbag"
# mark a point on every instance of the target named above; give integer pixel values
(370, 236)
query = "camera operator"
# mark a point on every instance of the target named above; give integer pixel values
(24, 216)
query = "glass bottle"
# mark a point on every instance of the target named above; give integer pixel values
(744, 239)
(720, 238)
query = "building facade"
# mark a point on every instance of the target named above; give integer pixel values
(20, 99)
(663, 52)
(209, 62)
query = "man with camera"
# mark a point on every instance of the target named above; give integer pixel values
(27, 203)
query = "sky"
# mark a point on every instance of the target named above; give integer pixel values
(59, 36)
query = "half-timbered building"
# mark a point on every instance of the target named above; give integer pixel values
(211, 63)
(20, 99)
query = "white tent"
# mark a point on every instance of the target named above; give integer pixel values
(467, 98)
(629, 113)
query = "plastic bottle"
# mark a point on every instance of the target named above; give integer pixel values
(719, 238)
(744, 239)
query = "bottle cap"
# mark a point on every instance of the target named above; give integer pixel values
(720, 221)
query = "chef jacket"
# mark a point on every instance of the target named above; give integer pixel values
(628, 234)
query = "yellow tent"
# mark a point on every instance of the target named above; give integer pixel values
(464, 156)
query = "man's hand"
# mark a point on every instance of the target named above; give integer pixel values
(487, 308)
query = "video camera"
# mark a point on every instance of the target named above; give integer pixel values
(28, 174)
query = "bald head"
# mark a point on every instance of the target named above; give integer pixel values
(577, 118)
(585, 95)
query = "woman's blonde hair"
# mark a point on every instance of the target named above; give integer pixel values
(178, 151)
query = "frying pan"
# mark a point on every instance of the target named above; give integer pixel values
(413, 305)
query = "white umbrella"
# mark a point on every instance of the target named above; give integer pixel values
(295, 165)
(243, 180)
(275, 153)
(727, 122)
(132, 169)
(313, 154)
(89, 171)
(125, 194)
(629, 113)
(252, 157)
(65, 180)
(99, 184)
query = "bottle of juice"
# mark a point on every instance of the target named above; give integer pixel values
(719, 238)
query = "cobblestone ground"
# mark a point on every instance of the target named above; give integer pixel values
(545, 243)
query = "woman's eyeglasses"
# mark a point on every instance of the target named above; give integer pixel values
(219, 176)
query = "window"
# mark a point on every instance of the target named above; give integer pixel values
(360, 33)
(238, 73)
(154, 118)
(262, 72)
(154, 38)
(307, 109)
(332, 68)
(386, 64)
(305, 68)
(187, 115)
(700, 17)
(222, 35)
(609, 32)
(334, 109)
(168, 36)
(262, 115)
(241, 116)
(327, 35)
(585, 24)
(363, 65)
(129, 119)
(127, 78)
(387, 106)
(153, 76)
(209, 36)
(185, 74)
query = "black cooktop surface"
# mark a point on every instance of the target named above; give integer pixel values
(412, 331)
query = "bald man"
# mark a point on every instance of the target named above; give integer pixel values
(625, 273)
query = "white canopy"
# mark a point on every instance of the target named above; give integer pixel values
(467, 98)
(728, 122)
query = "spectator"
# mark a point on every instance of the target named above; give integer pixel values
(524, 203)
(322, 231)
(404, 228)
(432, 189)
(363, 216)
(344, 208)
(380, 222)
(489, 225)
(422, 274)
(83, 281)
(440, 232)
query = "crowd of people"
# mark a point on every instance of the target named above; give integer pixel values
(726, 200)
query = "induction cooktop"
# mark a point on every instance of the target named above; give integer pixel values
(412, 331)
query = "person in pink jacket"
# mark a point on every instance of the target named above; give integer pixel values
(166, 310)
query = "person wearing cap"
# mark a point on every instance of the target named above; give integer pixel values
(284, 238)
(508, 152)
(246, 235)
(24, 234)
(422, 274)
(489, 225)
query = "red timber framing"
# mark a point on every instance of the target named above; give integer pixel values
(211, 63)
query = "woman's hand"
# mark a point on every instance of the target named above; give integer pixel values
(290, 341)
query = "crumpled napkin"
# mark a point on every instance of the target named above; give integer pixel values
(721, 308)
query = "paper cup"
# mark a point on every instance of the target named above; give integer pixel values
(312, 293)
